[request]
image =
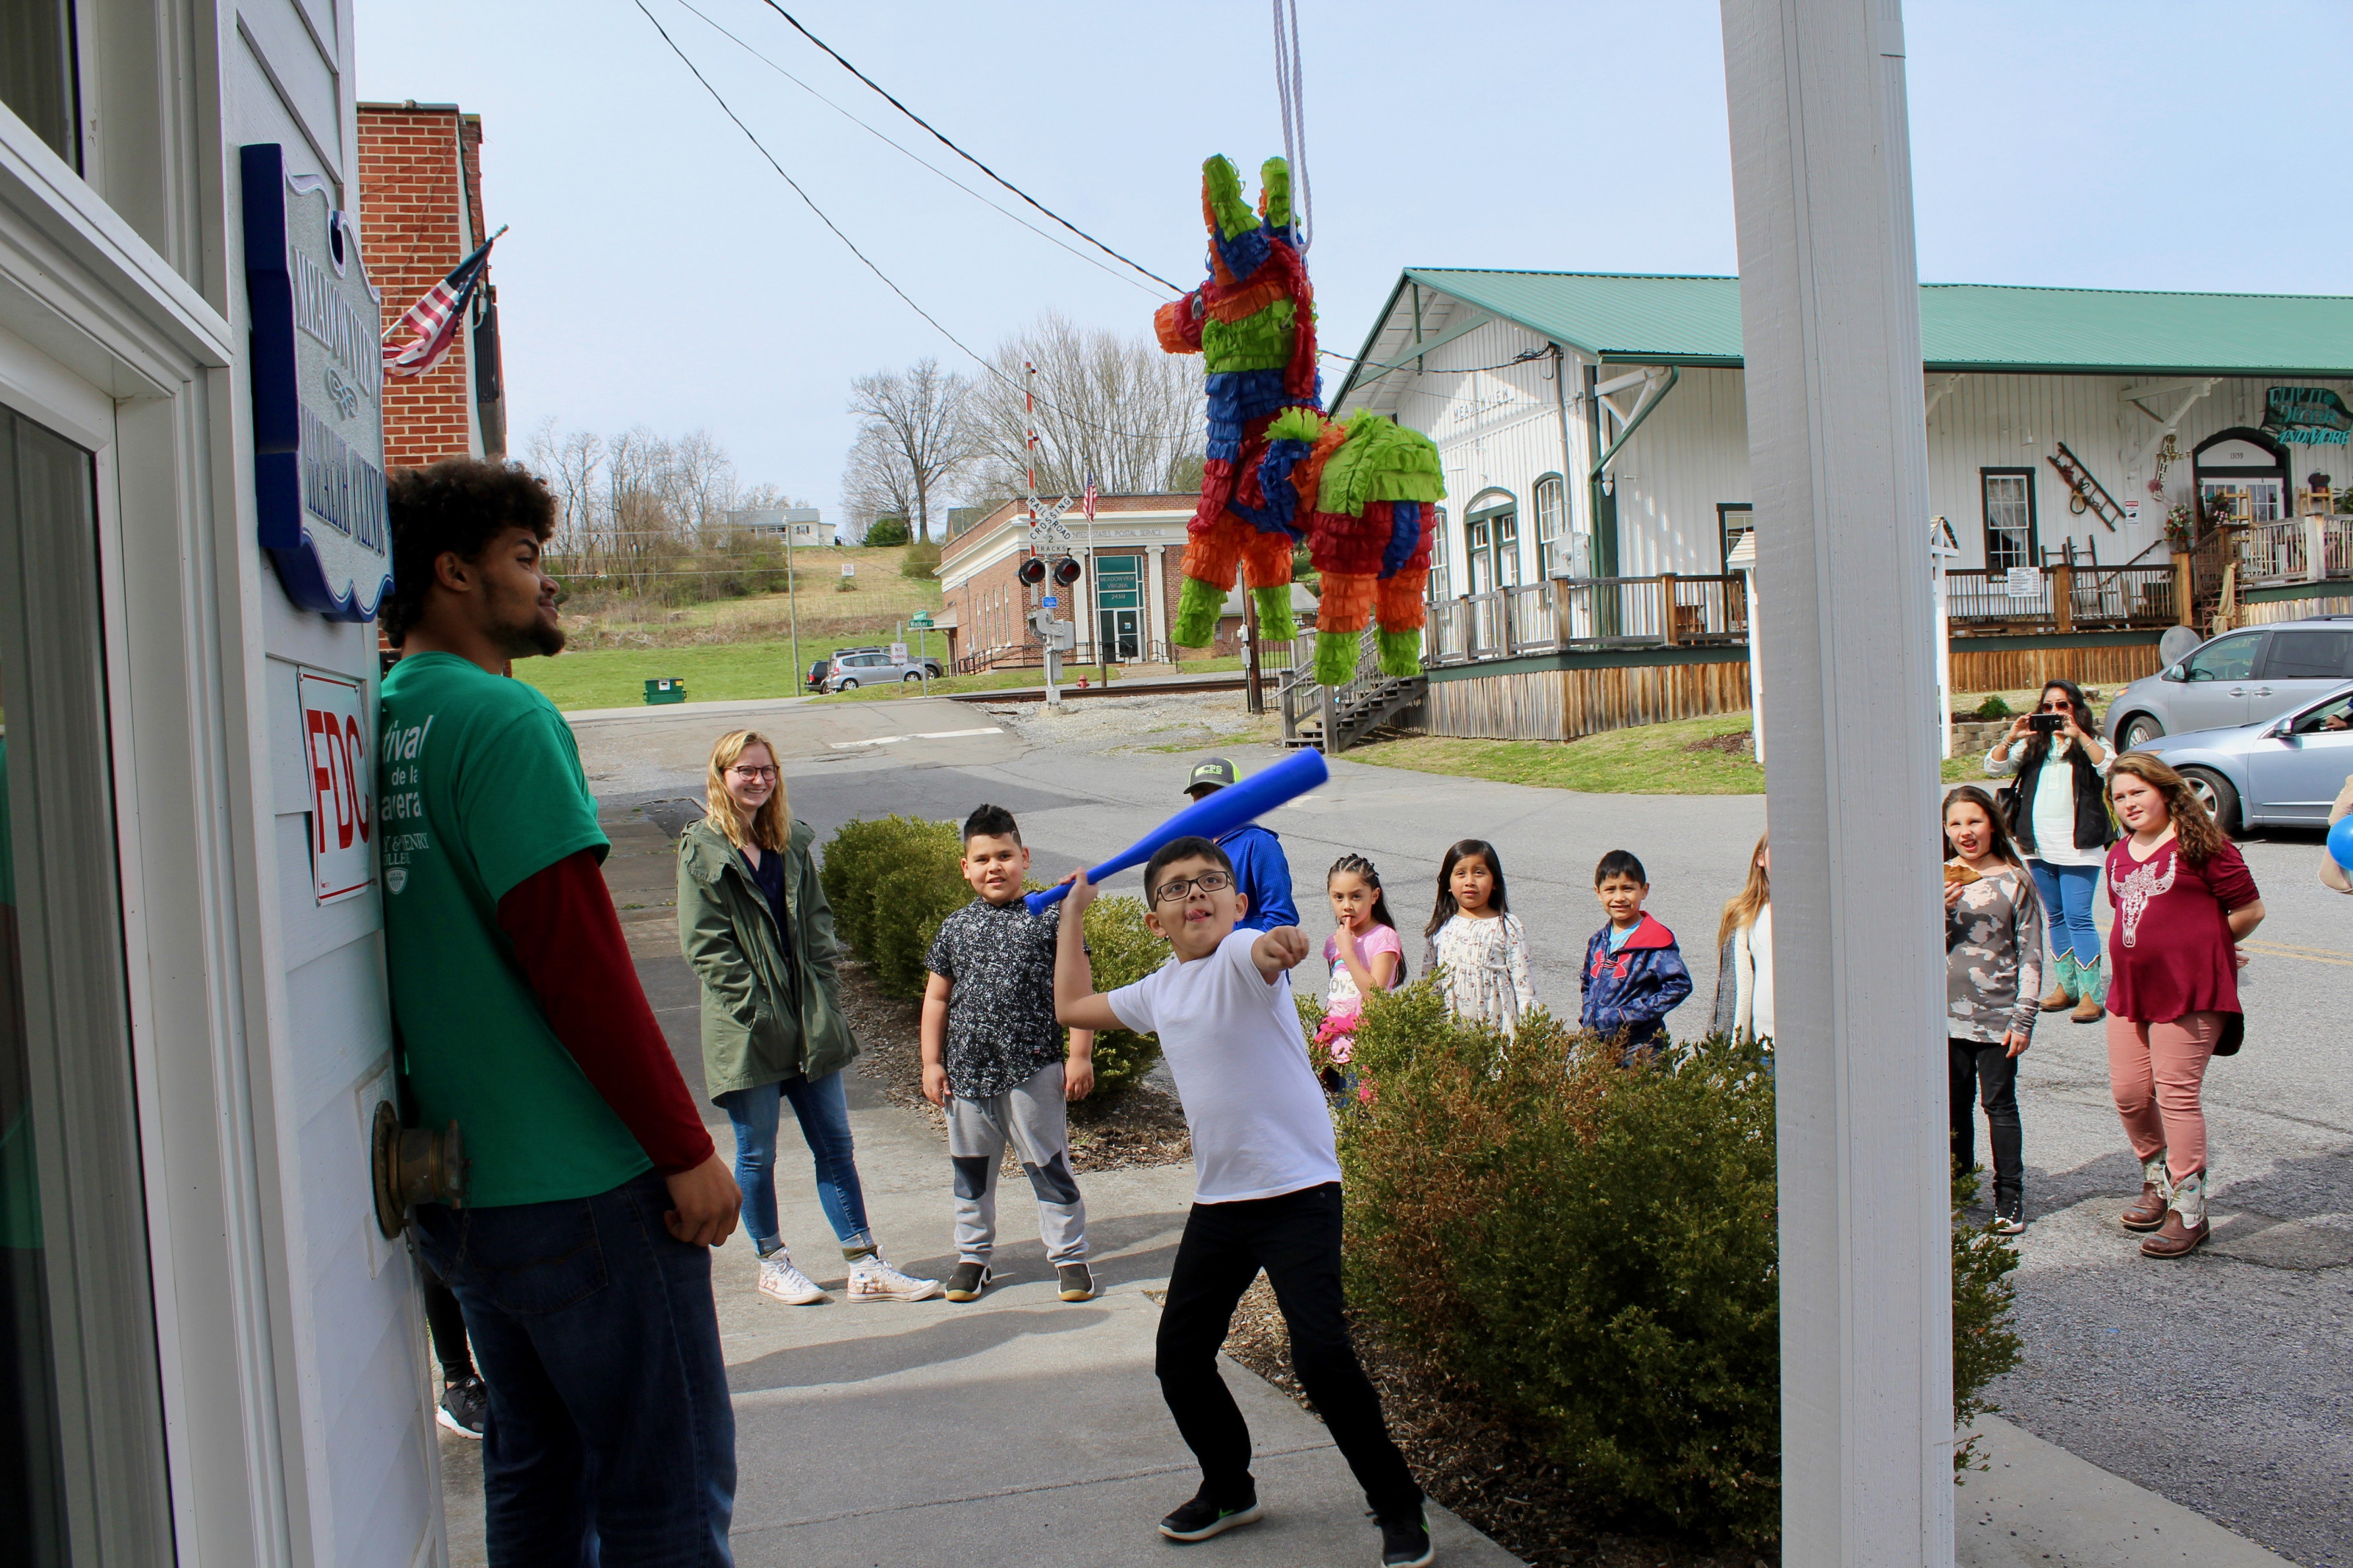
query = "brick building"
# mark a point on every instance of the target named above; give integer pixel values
(1122, 604)
(420, 215)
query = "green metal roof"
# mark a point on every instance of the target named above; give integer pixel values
(1639, 319)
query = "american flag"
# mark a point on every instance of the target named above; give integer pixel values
(430, 327)
(1087, 503)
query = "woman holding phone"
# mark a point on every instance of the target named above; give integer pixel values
(2184, 900)
(2061, 820)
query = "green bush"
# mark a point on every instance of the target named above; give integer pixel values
(920, 561)
(1595, 1249)
(1121, 951)
(886, 530)
(1993, 707)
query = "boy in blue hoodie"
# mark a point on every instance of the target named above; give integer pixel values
(1634, 973)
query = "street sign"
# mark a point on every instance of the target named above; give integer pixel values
(922, 619)
(850, 568)
(1052, 602)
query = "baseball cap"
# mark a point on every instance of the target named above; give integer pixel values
(1213, 771)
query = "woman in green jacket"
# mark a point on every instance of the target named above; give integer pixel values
(757, 927)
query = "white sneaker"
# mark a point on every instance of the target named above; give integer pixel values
(787, 1284)
(872, 1280)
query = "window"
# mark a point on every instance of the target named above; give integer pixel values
(2009, 518)
(1493, 535)
(2309, 655)
(1735, 520)
(37, 72)
(2248, 500)
(1551, 528)
(2226, 659)
(1438, 587)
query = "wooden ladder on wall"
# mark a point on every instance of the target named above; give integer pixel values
(2094, 495)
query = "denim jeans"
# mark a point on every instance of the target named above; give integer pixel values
(822, 1107)
(1295, 1238)
(2066, 893)
(610, 1438)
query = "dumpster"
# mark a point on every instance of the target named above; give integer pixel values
(667, 690)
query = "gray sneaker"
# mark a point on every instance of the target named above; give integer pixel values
(969, 1281)
(1075, 1281)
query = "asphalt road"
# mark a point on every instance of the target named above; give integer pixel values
(2224, 1383)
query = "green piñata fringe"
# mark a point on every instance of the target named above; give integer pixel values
(1224, 183)
(1336, 657)
(1381, 460)
(1274, 622)
(1197, 615)
(1274, 180)
(1296, 425)
(1400, 654)
(1259, 341)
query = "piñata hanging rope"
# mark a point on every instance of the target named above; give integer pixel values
(1290, 96)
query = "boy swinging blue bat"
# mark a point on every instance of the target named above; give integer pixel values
(1211, 818)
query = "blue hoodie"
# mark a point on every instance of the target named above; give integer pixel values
(1262, 875)
(1631, 991)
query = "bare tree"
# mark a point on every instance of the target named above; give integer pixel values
(702, 483)
(914, 440)
(1114, 409)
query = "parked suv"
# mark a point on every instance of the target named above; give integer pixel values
(2239, 677)
(854, 668)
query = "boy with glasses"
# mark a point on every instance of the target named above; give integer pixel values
(1268, 1193)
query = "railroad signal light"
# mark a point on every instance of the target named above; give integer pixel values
(1066, 572)
(1033, 572)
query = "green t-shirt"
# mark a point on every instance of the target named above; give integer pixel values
(480, 789)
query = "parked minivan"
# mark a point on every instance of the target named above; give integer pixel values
(2239, 678)
(854, 668)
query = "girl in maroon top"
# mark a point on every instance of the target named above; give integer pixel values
(2183, 898)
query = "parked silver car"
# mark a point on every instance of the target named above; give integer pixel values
(854, 668)
(2239, 677)
(2283, 770)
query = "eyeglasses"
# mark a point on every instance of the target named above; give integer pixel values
(753, 775)
(1182, 887)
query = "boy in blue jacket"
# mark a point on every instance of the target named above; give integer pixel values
(1634, 973)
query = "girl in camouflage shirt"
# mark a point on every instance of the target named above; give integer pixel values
(1993, 974)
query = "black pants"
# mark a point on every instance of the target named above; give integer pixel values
(447, 1322)
(1985, 1073)
(1295, 1238)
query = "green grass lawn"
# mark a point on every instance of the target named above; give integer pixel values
(721, 672)
(1653, 759)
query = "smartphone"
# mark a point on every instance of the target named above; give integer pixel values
(2046, 723)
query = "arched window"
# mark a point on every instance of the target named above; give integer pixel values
(1491, 540)
(1551, 528)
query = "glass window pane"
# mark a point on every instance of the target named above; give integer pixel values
(2232, 659)
(38, 473)
(2010, 523)
(2309, 655)
(1507, 549)
(36, 70)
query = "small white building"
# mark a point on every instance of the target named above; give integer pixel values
(804, 525)
(1596, 424)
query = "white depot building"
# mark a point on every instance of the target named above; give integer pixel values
(208, 1353)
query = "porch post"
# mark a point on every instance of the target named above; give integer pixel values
(2184, 587)
(2061, 578)
(1830, 328)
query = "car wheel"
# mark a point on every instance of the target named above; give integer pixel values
(845, 684)
(2216, 795)
(913, 678)
(2138, 731)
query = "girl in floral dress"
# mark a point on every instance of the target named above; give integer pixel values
(1475, 943)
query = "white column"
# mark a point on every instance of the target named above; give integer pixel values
(1155, 594)
(1831, 324)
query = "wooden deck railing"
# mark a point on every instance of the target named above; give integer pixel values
(2294, 549)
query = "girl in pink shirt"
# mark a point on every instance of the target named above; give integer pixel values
(1363, 950)
(2183, 899)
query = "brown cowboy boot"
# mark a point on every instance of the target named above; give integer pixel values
(2062, 995)
(2092, 994)
(2185, 1222)
(2156, 1196)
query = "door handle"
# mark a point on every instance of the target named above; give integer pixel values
(2238, 691)
(2263, 691)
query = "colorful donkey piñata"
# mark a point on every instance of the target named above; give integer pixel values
(1361, 493)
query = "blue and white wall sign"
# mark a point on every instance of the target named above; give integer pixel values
(317, 391)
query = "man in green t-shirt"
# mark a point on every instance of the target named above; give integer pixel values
(582, 1256)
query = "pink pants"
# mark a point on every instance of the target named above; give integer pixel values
(2155, 1071)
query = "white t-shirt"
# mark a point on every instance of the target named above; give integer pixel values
(1760, 948)
(1257, 1115)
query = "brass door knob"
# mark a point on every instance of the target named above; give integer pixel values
(414, 1166)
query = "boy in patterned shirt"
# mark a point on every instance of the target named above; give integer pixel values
(993, 1059)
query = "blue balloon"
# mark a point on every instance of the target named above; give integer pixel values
(2340, 842)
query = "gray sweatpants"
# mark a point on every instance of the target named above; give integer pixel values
(1035, 1116)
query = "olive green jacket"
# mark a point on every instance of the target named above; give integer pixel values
(768, 1014)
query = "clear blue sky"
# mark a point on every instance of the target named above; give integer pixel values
(660, 273)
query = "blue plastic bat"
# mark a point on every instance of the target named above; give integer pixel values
(1219, 813)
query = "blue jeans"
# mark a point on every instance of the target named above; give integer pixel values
(2067, 908)
(610, 1436)
(822, 1107)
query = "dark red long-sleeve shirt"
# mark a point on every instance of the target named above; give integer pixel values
(568, 940)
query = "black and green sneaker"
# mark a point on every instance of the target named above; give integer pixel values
(1202, 1517)
(969, 1281)
(1405, 1542)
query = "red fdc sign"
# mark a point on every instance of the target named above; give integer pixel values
(335, 748)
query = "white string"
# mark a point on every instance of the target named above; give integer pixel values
(1291, 96)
